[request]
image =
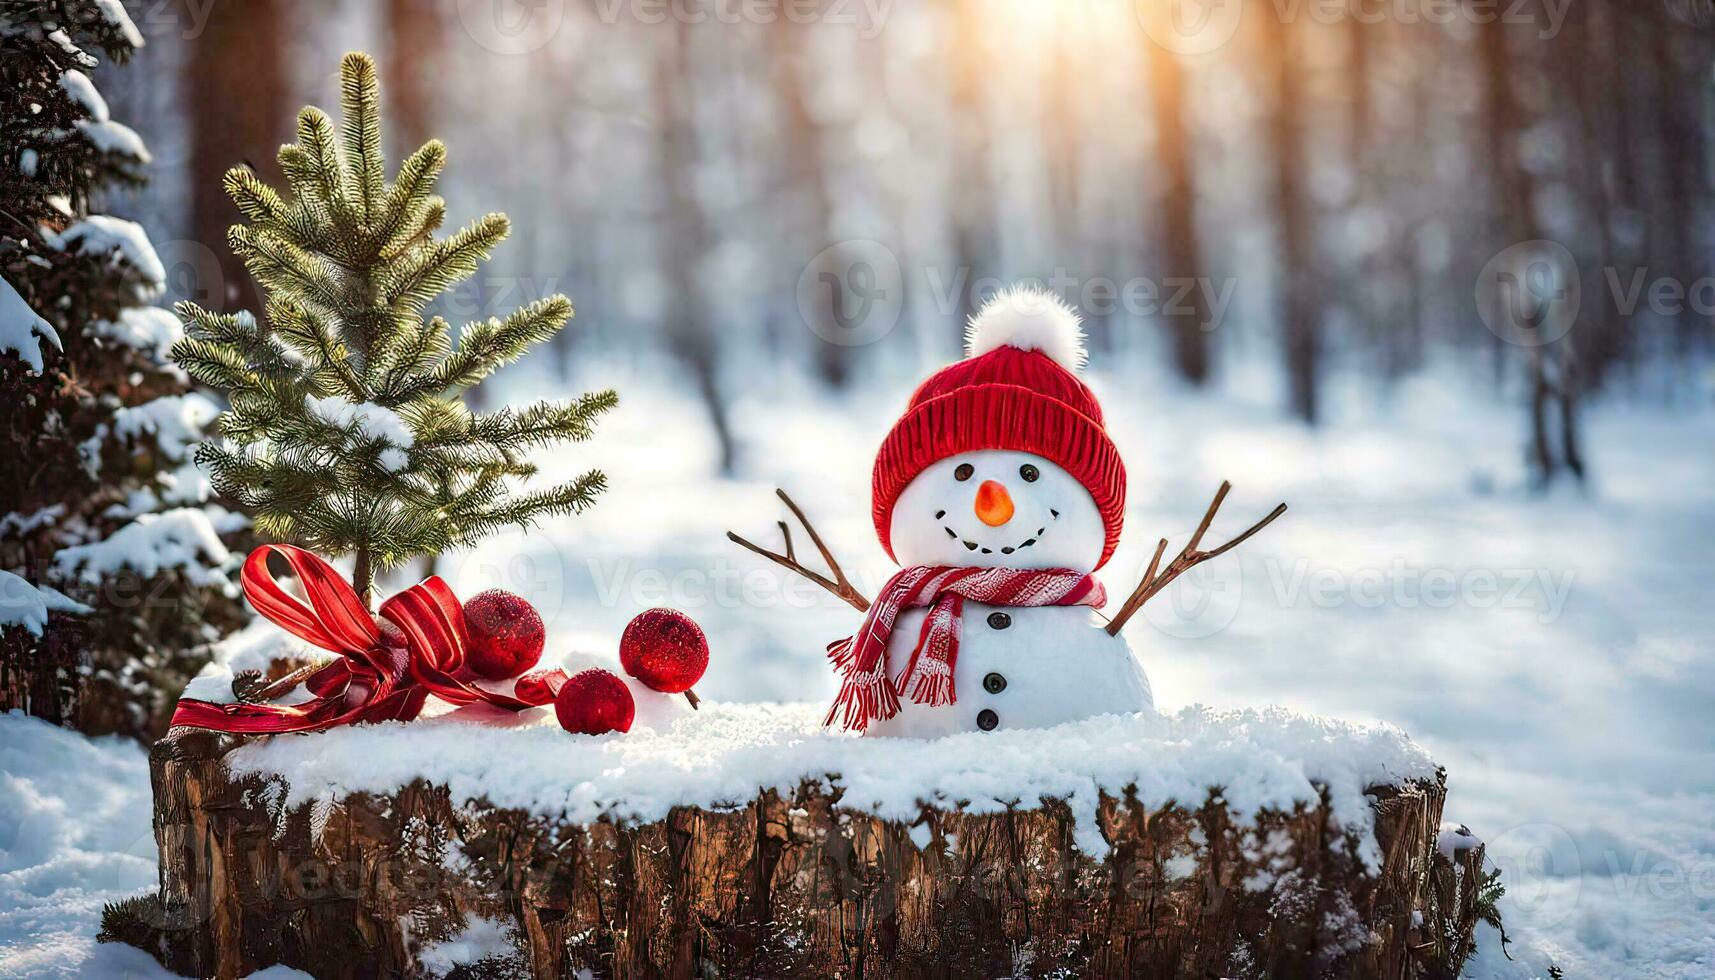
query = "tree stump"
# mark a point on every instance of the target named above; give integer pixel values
(787, 883)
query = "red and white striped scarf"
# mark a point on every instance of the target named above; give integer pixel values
(871, 690)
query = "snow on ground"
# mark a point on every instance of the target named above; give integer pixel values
(74, 835)
(1552, 653)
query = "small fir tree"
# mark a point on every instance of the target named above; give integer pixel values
(346, 432)
(113, 565)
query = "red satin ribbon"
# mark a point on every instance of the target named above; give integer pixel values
(380, 675)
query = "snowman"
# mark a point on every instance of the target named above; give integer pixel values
(1000, 494)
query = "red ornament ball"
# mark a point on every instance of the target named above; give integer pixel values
(665, 649)
(595, 702)
(506, 635)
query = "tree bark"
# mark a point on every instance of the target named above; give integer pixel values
(686, 236)
(781, 884)
(44, 676)
(237, 90)
(1299, 316)
(1180, 247)
(1552, 366)
(413, 64)
(811, 211)
(971, 194)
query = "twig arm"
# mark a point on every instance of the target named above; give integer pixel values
(838, 584)
(1157, 578)
(1278, 510)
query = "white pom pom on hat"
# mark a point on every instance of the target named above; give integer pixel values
(1028, 318)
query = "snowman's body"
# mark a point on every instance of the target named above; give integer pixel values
(1001, 461)
(1026, 667)
(1051, 664)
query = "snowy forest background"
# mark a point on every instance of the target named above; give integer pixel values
(1439, 275)
(681, 174)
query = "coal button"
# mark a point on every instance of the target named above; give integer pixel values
(987, 720)
(994, 683)
(999, 620)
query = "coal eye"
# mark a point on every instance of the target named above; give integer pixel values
(1029, 472)
(964, 472)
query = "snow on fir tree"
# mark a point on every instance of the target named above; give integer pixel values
(345, 432)
(114, 556)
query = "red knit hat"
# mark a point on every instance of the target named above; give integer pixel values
(1014, 390)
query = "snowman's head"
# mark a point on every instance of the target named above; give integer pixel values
(1002, 458)
(997, 508)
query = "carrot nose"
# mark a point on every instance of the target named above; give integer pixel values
(994, 504)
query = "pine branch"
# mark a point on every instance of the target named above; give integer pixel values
(212, 364)
(255, 200)
(428, 272)
(319, 171)
(486, 346)
(521, 511)
(283, 267)
(360, 105)
(313, 337)
(418, 230)
(414, 351)
(545, 422)
(299, 223)
(411, 194)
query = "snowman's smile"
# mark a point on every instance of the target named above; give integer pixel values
(970, 545)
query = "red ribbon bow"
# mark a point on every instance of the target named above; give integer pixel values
(381, 675)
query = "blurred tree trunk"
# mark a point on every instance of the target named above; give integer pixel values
(1188, 314)
(412, 63)
(1062, 105)
(1065, 112)
(685, 236)
(1579, 68)
(1404, 195)
(1301, 333)
(807, 175)
(1676, 119)
(1551, 378)
(1359, 38)
(975, 245)
(239, 115)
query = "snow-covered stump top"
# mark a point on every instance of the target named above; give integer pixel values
(723, 755)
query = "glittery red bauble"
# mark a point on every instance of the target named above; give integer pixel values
(665, 649)
(595, 702)
(506, 635)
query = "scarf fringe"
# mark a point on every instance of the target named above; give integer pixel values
(841, 653)
(862, 700)
(933, 687)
